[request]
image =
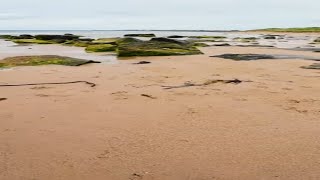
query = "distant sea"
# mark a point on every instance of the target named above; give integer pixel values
(117, 33)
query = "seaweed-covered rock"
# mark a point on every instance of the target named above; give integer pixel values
(270, 37)
(26, 36)
(317, 40)
(42, 39)
(246, 39)
(57, 38)
(78, 43)
(224, 44)
(5, 36)
(200, 44)
(161, 39)
(176, 36)
(313, 66)
(11, 37)
(31, 41)
(106, 41)
(101, 48)
(140, 35)
(245, 57)
(42, 60)
(128, 47)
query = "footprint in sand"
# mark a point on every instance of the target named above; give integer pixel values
(120, 95)
(42, 95)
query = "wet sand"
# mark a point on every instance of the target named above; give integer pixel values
(267, 127)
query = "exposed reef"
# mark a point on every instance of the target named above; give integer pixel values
(125, 47)
(101, 48)
(245, 57)
(312, 66)
(246, 39)
(177, 36)
(139, 35)
(251, 57)
(155, 47)
(42, 60)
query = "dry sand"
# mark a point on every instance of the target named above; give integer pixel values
(266, 128)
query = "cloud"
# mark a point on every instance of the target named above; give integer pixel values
(158, 14)
(13, 16)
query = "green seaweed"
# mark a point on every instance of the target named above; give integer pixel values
(128, 47)
(77, 43)
(105, 40)
(42, 60)
(101, 48)
(32, 41)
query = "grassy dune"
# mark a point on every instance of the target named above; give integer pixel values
(293, 30)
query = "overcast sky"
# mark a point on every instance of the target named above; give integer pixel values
(156, 14)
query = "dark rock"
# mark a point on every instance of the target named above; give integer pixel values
(224, 44)
(245, 57)
(197, 44)
(25, 36)
(161, 39)
(313, 66)
(57, 38)
(143, 62)
(42, 60)
(270, 37)
(140, 35)
(176, 36)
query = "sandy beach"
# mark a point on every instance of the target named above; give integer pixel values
(129, 126)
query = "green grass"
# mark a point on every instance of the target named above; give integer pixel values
(101, 48)
(293, 30)
(42, 60)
